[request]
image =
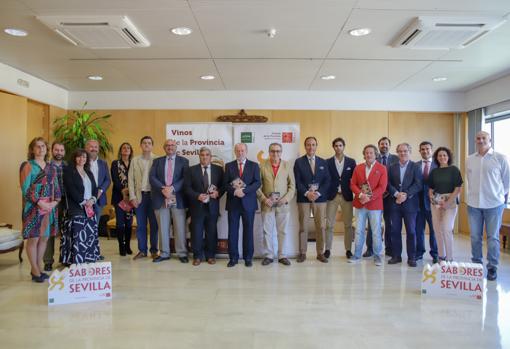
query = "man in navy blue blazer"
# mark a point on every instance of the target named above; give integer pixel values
(424, 215)
(167, 192)
(241, 182)
(385, 158)
(404, 186)
(340, 169)
(99, 169)
(312, 184)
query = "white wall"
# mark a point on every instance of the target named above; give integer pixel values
(38, 89)
(490, 93)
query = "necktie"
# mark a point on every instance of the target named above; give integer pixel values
(169, 172)
(312, 165)
(384, 160)
(240, 169)
(426, 169)
(205, 179)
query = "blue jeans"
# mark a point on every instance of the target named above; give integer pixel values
(145, 213)
(374, 216)
(491, 217)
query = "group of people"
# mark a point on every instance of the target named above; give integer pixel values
(161, 192)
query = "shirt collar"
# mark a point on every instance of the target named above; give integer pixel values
(403, 165)
(490, 151)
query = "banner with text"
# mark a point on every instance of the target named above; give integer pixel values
(190, 137)
(81, 283)
(258, 137)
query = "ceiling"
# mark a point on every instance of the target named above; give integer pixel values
(229, 41)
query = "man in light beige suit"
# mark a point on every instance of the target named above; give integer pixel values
(278, 188)
(140, 198)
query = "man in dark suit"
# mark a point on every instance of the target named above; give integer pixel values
(167, 189)
(424, 215)
(404, 185)
(203, 185)
(340, 169)
(312, 184)
(241, 182)
(99, 169)
(385, 158)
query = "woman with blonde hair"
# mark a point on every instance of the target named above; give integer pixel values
(41, 194)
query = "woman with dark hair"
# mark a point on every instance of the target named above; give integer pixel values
(41, 194)
(79, 243)
(120, 198)
(445, 183)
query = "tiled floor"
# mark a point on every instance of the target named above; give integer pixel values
(309, 305)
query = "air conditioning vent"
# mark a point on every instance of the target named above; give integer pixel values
(434, 33)
(103, 32)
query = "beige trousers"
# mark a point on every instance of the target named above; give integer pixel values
(270, 220)
(331, 209)
(444, 222)
(319, 214)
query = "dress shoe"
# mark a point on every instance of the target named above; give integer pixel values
(327, 253)
(139, 255)
(196, 261)
(154, 255)
(321, 258)
(267, 261)
(368, 254)
(211, 261)
(48, 267)
(231, 263)
(128, 250)
(348, 254)
(122, 250)
(411, 263)
(418, 258)
(492, 274)
(37, 279)
(248, 263)
(395, 260)
(160, 259)
(284, 261)
(100, 258)
(184, 259)
(435, 260)
(301, 258)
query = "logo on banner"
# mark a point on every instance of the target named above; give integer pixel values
(246, 137)
(287, 137)
(81, 283)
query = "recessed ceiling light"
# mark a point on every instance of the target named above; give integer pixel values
(95, 77)
(15, 32)
(360, 31)
(207, 77)
(328, 77)
(439, 79)
(182, 31)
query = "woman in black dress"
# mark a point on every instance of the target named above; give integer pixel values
(79, 244)
(120, 198)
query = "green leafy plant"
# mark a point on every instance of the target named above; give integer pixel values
(75, 128)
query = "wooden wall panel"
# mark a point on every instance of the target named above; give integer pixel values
(13, 137)
(38, 123)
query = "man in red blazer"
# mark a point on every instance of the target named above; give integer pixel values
(368, 184)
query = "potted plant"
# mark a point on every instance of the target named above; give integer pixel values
(75, 128)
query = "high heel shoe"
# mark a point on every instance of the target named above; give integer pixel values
(38, 279)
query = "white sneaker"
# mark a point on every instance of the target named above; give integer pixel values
(378, 262)
(353, 260)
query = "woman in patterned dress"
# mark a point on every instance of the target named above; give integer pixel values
(41, 194)
(79, 244)
(120, 198)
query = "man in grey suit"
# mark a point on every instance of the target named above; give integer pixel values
(167, 189)
(386, 159)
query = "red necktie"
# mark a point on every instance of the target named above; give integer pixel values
(240, 169)
(426, 170)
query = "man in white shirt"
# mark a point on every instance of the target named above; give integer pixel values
(488, 177)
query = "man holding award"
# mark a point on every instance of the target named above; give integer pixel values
(312, 183)
(368, 184)
(167, 181)
(274, 195)
(203, 185)
(241, 181)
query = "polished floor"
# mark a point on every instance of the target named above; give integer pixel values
(309, 305)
